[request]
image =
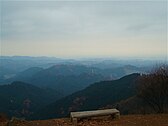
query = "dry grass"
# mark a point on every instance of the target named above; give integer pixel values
(129, 120)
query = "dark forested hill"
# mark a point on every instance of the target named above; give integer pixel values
(21, 99)
(95, 96)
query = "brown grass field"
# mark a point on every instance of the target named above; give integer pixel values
(126, 120)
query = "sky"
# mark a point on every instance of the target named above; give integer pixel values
(122, 28)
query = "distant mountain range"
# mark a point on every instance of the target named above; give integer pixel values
(63, 78)
(70, 78)
(47, 87)
(96, 96)
(12, 66)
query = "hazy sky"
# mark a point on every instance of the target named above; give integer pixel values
(84, 29)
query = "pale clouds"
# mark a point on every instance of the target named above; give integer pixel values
(84, 28)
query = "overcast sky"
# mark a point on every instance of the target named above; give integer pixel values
(84, 29)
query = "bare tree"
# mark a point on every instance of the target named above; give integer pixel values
(153, 88)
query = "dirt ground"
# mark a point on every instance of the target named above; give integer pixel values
(128, 120)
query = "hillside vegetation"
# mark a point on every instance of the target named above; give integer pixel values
(21, 99)
(96, 96)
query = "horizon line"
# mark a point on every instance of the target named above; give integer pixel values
(165, 58)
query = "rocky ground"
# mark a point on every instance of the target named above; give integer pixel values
(128, 120)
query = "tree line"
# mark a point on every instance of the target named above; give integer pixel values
(153, 89)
